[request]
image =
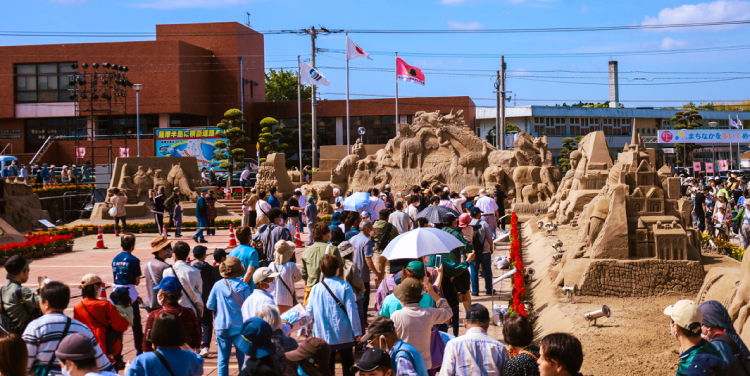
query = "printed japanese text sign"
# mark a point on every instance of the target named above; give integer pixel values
(707, 136)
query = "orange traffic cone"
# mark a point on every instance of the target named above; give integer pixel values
(229, 193)
(164, 232)
(232, 240)
(297, 238)
(100, 240)
(103, 294)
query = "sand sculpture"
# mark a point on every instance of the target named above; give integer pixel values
(634, 230)
(20, 208)
(135, 176)
(442, 150)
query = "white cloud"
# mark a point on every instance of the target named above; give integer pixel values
(716, 11)
(176, 4)
(670, 44)
(473, 25)
(452, 2)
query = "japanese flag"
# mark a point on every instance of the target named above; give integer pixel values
(355, 52)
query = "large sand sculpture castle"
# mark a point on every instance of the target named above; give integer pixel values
(442, 150)
(135, 176)
(634, 230)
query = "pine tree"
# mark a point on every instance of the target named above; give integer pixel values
(231, 129)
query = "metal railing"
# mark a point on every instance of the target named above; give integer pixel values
(41, 150)
(86, 137)
(6, 147)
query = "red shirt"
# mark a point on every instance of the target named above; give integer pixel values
(99, 316)
(186, 317)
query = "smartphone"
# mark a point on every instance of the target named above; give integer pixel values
(438, 261)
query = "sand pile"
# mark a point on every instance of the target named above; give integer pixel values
(635, 340)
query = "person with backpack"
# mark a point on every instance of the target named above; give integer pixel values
(19, 305)
(209, 275)
(384, 233)
(717, 328)
(272, 234)
(483, 247)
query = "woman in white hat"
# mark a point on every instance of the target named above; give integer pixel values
(64, 176)
(282, 289)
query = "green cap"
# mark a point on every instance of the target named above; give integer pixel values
(417, 268)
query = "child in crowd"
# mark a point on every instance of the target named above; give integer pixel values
(177, 216)
(120, 298)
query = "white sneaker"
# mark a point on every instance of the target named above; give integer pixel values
(204, 352)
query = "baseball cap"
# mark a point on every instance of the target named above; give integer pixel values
(199, 251)
(169, 284)
(16, 265)
(475, 210)
(380, 325)
(204, 190)
(464, 220)
(365, 214)
(76, 346)
(90, 279)
(684, 313)
(417, 268)
(263, 273)
(373, 359)
(219, 254)
(256, 338)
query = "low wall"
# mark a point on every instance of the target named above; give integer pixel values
(641, 278)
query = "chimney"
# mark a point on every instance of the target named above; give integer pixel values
(614, 90)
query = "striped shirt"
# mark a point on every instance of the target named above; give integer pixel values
(474, 353)
(43, 334)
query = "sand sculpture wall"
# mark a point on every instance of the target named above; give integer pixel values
(442, 150)
(19, 207)
(135, 176)
(625, 210)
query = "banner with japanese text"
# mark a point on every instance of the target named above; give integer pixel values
(709, 136)
(188, 142)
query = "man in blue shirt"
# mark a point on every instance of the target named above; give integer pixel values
(126, 269)
(272, 200)
(248, 255)
(404, 357)
(45, 174)
(201, 215)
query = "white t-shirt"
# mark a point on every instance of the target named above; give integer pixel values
(376, 205)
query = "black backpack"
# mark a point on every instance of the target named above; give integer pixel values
(744, 364)
(385, 237)
(476, 242)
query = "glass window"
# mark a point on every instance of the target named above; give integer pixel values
(326, 131)
(354, 123)
(46, 82)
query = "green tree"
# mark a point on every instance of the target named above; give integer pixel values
(273, 137)
(686, 120)
(509, 128)
(231, 151)
(281, 86)
(568, 146)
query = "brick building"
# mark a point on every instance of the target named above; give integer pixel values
(191, 76)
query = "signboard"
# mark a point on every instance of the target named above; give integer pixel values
(668, 150)
(744, 163)
(723, 165)
(697, 166)
(710, 136)
(188, 142)
(709, 167)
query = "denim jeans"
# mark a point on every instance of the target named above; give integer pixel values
(137, 329)
(202, 224)
(225, 351)
(301, 226)
(207, 327)
(485, 260)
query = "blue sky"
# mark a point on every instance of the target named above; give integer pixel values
(468, 75)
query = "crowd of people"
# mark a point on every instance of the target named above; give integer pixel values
(42, 176)
(720, 206)
(245, 300)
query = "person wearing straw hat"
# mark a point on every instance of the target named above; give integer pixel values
(226, 300)
(312, 357)
(101, 317)
(282, 289)
(77, 357)
(161, 248)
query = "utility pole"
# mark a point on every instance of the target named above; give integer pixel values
(313, 36)
(497, 111)
(502, 104)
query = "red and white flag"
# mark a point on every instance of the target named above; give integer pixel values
(408, 73)
(353, 51)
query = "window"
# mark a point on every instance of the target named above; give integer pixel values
(594, 124)
(575, 127)
(625, 126)
(38, 129)
(41, 83)
(608, 125)
(127, 125)
(354, 123)
(180, 121)
(378, 129)
(539, 126)
(326, 131)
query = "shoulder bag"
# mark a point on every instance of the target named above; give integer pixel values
(39, 369)
(338, 303)
(291, 292)
(532, 355)
(164, 362)
(234, 294)
(198, 313)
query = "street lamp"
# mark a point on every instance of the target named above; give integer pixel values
(138, 88)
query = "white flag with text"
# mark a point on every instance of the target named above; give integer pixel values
(310, 75)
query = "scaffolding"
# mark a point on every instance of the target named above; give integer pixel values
(98, 94)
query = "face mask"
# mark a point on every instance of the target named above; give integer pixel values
(65, 371)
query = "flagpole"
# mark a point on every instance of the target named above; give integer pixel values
(299, 115)
(396, 89)
(348, 127)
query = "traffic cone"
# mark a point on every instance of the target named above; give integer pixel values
(229, 193)
(103, 294)
(165, 234)
(100, 240)
(297, 238)
(232, 240)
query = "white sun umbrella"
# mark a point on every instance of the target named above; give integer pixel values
(421, 242)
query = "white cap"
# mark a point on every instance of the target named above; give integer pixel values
(446, 189)
(684, 313)
(365, 214)
(262, 274)
(483, 192)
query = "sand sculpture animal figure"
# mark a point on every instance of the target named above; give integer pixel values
(474, 162)
(403, 132)
(739, 309)
(161, 181)
(539, 190)
(345, 169)
(142, 181)
(177, 178)
(414, 147)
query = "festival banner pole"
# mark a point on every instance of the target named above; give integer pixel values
(396, 89)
